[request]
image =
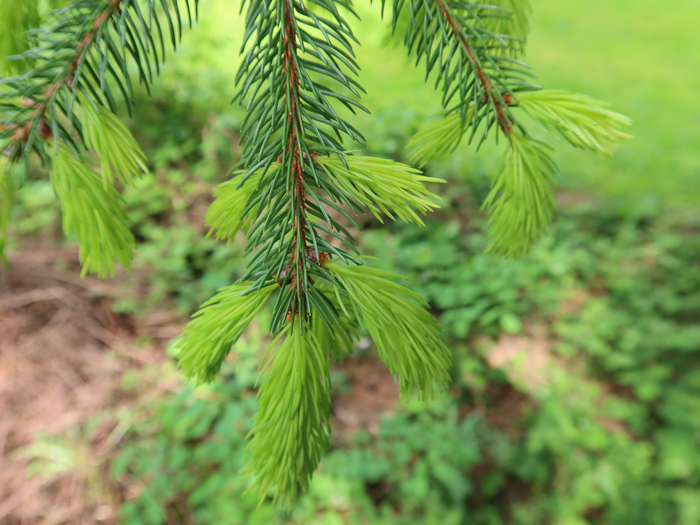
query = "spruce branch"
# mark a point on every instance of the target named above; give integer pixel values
(296, 185)
(406, 335)
(475, 47)
(292, 154)
(294, 179)
(215, 328)
(489, 92)
(77, 62)
(521, 200)
(93, 212)
(456, 41)
(291, 122)
(292, 427)
(580, 120)
(83, 54)
(30, 125)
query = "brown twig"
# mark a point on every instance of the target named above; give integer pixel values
(491, 93)
(297, 171)
(36, 119)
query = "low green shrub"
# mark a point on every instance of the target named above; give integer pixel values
(611, 436)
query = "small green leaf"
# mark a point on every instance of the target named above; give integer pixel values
(292, 426)
(521, 201)
(120, 154)
(510, 323)
(226, 213)
(439, 138)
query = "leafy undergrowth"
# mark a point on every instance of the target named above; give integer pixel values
(576, 395)
(576, 386)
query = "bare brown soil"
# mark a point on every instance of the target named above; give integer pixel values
(372, 394)
(63, 354)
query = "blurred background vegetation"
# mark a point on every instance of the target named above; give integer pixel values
(576, 396)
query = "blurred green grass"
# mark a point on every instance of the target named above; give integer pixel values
(637, 55)
(642, 57)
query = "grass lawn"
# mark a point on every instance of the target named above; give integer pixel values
(643, 58)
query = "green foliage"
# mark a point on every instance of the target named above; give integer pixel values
(610, 439)
(66, 70)
(472, 50)
(101, 227)
(292, 427)
(406, 335)
(16, 17)
(189, 435)
(456, 41)
(291, 120)
(120, 155)
(382, 185)
(521, 200)
(93, 213)
(80, 56)
(438, 139)
(580, 120)
(616, 289)
(294, 185)
(215, 328)
(227, 214)
(606, 440)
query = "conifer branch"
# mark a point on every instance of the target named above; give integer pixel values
(473, 60)
(295, 176)
(76, 63)
(489, 93)
(294, 180)
(298, 270)
(25, 129)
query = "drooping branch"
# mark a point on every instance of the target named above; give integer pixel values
(24, 131)
(491, 93)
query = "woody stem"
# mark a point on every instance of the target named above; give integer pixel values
(292, 149)
(23, 132)
(503, 120)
